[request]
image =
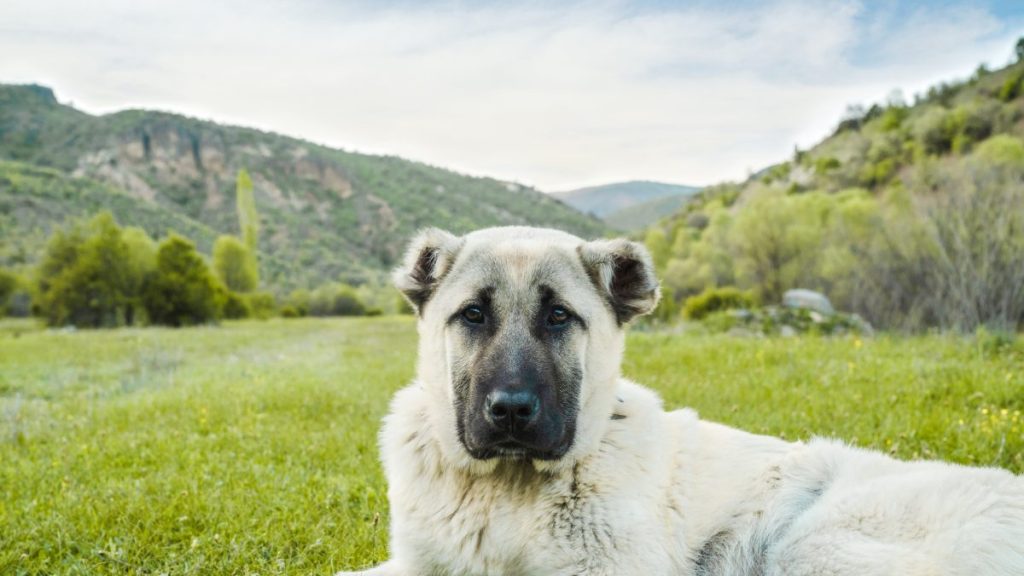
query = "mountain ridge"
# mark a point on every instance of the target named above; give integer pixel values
(605, 200)
(326, 213)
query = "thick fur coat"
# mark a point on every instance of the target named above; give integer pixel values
(639, 490)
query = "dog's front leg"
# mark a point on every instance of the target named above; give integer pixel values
(389, 568)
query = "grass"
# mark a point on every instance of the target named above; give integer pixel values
(251, 448)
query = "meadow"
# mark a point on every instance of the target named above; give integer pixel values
(250, 448)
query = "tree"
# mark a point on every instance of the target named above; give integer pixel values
(1019, 49)
(86, 277)
(248, 218)
(657, 244)
(181, 291)
(140, 264)
(234, 265)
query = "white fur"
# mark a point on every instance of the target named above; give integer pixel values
(657, 493)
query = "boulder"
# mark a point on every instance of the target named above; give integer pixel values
(801, 299)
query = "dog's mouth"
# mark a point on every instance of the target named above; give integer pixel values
(512, 449)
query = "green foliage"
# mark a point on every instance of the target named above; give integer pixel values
(235, 306)
(336, 300)
(716, 300)
(249, 225)
(8, 284)
(299, 300)
(825, 164)
(935, 130)
(263, 305)
(893, 117)
(657, 244)
(1011, 87)
(1002, 151)
(234, 264)
(91, 278)
(182, 291)
(256, 466)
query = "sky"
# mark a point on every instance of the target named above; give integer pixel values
(556, 95)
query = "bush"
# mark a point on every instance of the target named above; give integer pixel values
(1011, 87)
(299, 301)
(182, 291)
(8, 284)
(934, 130)
(825, 164)
(716, 300)
(262, 305)
(336, 300)
(236, 306)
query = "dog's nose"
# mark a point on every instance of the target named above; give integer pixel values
(511, 409)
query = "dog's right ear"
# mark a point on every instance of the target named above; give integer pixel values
(427, 260)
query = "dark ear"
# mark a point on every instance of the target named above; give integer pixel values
(427, 260)
(624, 274)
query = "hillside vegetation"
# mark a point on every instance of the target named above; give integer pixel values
(910, 215)
(326, 214)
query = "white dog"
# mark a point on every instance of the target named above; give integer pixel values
(520, 450)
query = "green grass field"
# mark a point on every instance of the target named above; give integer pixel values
(251, 448)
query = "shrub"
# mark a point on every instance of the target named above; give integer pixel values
(8, 283)
(262, 305)
(236, 306)
(716, 300)
(1011, 87)
(182, 291)
(299, 301)
(336, 300)
(825, 164)
(934, 130)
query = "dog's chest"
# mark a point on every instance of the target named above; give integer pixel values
(516, 521)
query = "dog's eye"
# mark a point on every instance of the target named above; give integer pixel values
(473, 315)
(558, 316)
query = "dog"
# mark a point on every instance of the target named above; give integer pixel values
(520, 450)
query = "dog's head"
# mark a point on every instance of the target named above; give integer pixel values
(521, 334)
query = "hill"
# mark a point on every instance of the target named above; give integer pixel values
(908, 214)
(639, 216)
(325, 213)
(606, 199)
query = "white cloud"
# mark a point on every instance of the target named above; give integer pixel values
(556, 97)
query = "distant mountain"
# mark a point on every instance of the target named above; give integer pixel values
(325, 213)
(640, 216)
(601, 201)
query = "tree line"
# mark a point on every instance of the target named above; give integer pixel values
(97, 273)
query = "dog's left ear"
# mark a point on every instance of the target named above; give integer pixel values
(624, 273)
(427, 260)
